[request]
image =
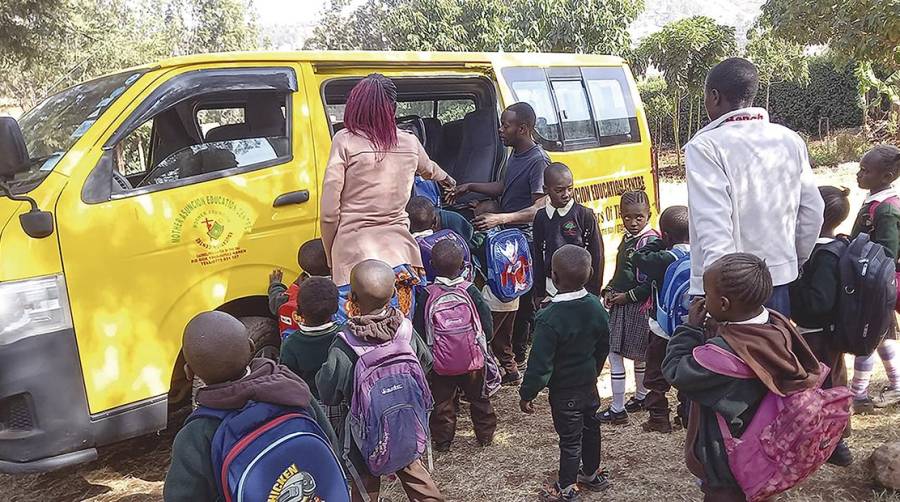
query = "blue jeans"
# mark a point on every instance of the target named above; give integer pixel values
(780, 301)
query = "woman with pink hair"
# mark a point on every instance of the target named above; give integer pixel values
(368, 182)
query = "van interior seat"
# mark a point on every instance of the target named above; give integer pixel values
(262, 118)
(451, 141)
(479, 151)
(434, 134)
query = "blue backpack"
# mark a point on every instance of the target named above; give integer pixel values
(428, 189)
(672, 299)
(427, 243)
(509, 270)
(267, 452)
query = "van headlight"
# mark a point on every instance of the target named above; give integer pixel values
(33, 307)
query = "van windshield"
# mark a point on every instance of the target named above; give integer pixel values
(54, 125)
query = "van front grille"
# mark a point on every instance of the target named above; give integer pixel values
(15, 414)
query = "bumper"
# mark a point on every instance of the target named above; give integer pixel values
(44, 419)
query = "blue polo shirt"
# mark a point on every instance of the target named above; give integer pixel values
(524, 176)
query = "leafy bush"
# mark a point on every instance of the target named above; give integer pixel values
(844, 146)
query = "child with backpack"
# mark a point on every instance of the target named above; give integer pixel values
(376, 367)
(880, 218)
(814, 299)
(563, 221)
(626, 297)
(750, 375)
(571, 342)
(455, 320)
(426, 219)
(655, 260)
(283, 299)
(244, 397)
(424, 224)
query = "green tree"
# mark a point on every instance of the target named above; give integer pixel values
(684, 51)
(777, 59)
(24, 23)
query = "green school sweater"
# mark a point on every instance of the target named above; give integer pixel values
(571, 342)
(883, 229)
(625, 278)
(305, 352)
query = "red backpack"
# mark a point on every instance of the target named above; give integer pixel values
(288, 320)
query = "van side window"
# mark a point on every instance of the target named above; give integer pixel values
(574, 111)
(613, 105)
(449, 110)
(530, 85)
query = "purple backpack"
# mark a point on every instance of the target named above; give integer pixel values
(452, 330)
(789, 437)
(427, 243)
(391, 403)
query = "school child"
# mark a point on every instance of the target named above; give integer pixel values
(217, 349)
(629, 315)
(736, 287)
(880, 218)
(380, 333)
(563, 221)
(571, 342)
(653, 260)
(814, 300)
(425, 219)
(459, 361)
(283, 299)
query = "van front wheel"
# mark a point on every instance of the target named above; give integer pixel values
(264, 333)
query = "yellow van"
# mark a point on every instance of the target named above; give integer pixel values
(134, 201)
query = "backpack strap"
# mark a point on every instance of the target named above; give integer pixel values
(719, 360)
(893, 200)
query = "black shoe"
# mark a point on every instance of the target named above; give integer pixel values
(634, 405)
(511, 379)
(557, 494)
(609, 416)
(596, 483)
(441, 447)
(842, 456)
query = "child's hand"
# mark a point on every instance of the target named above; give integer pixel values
(488, 221)
(618, 299)
(526, 406)
(538, 302)
(276, 276)
(697, 313)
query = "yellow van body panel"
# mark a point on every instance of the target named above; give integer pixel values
(143, 266)
(22, 256)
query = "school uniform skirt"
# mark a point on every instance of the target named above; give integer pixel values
(629, 325)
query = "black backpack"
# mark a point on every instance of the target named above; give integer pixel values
(865, 307)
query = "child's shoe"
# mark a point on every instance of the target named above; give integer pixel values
(608, 416)
(889, 397)
(842, 456)
(598, 482)
(441, 447)
(511, 379)
(862, 406)
(661, 425)
(634, 405)
(557, 494)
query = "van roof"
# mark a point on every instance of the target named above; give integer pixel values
(378, 57)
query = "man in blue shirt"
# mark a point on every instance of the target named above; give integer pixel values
(521, 194)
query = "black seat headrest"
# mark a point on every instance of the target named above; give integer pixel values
(13, 152)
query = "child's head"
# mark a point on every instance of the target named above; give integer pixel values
(371, 286)
(673, 223)
(312, 259)
(635, 209)
(571, 266)
(422, 215)
(559, 185)
(837, 207)
(879, 168)
(216, 347)
(737, 286)
(317, 301)
(447, 259)
(486, 206)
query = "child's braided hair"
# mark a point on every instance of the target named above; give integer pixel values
(635, 197)
(837, 205)
(885, 158)
(744, 278)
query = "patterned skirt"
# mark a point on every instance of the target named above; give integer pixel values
(628, 328)
(408, 277)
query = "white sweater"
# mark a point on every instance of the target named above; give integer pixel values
(751, 189)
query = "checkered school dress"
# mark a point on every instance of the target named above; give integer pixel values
(628, 330)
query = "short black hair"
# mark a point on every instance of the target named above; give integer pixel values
(885, 158)
(421, 214)
(311, 258)
(555, 169)
(634, 198)
(837, 205)
(674, 223)
(524, 113)
(447, 259)
(736, 79)
(744, 278)
(317, 301)
(571, 265)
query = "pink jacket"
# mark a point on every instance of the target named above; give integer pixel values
(364, 197)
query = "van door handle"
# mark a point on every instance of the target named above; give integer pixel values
(286, 199)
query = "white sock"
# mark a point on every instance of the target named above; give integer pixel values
(640, 391)
(617, 373)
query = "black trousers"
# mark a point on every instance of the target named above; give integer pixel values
(522, 329)
(579, 432)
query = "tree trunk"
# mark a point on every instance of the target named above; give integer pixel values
(690, 118)
(768, 93)
(676, 122)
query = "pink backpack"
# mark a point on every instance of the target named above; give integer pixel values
(453, 330)
(789, 437)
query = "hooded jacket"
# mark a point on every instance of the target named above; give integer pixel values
(190, 476)
(751, 189)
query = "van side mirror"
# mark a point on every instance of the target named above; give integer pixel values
(37, 223)
(14, 160)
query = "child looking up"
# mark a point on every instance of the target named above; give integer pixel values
(371, 289)
(814, 299)
(425, 219)
(736, 286)
(571, 342)
(447, 260)
(562, 222)
(629, 317)
(313, 263)
(880, 218)
(653, 260)
(217, 349)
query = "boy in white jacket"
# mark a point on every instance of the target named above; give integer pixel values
(750, 185)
